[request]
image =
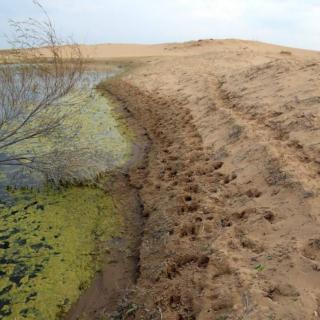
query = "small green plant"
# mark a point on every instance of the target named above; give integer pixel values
(132, 308)
(259, 267)
(125, 310)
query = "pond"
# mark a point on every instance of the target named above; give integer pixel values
(52, 241)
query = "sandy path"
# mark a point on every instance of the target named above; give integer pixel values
(230, 188)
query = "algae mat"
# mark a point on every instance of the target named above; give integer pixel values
(49, 250)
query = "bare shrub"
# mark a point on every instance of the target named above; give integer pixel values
(40, 96)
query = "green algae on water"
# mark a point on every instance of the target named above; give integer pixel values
(99, 144)
(49, 249)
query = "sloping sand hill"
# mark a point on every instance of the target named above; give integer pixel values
(230, 187)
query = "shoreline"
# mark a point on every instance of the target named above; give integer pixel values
(158, 280)
(120, 269)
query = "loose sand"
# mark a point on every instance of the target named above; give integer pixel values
(230, 187)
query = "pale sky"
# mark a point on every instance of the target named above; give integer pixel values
(289, 22)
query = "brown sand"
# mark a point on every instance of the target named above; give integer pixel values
(231, 183)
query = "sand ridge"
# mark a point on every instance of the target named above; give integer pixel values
(191, 48)
(230, 186)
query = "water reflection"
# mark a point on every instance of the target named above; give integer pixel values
(99, 132)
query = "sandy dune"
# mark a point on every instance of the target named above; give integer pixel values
(231, 184)
(106, 51)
